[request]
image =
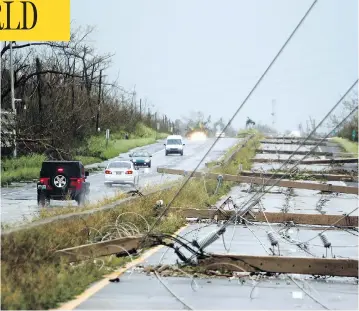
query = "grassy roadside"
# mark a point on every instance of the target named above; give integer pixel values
(32, 278)
(246, 132)
(346, 145)
(27, 168)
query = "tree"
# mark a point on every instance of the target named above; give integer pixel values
(219, 125)
(197, 122)
(346, 129)
(67, 95)
(250, 122)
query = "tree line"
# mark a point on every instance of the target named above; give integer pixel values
(350, 126)
(66, 96)
(198, 121)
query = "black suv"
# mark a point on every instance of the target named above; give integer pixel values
(62, 180)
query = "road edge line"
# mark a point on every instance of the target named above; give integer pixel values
(74, 303)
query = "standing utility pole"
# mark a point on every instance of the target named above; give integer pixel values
(99, 103)
(133, 103)
(140, 108)
(273, 113)
(13, 98)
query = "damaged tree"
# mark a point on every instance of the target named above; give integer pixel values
(60, 86)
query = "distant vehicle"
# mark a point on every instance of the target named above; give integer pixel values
(141, 158)
(220, 134)
(62, 180)
(200, 128)
(294, 134)
(174, 145)
(121, 172)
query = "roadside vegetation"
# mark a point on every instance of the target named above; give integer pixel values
(27, 167)
(346, 135)
(23, 168)
(29, 266)
(246, 132)
(347, 145)
(33, 278)
(143, 135)
(67, 104)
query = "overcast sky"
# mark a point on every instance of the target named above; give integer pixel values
(186, 55)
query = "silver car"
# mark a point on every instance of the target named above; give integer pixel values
(121, 172)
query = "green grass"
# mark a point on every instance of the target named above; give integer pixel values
(246, 132)
(86, 160)
(199, 193)
(243, 157)
(27, 168)
(347, 145)
(97, 146)
(32, 278)
(23, 168)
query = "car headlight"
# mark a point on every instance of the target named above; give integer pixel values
(133, 160)
(147, 160)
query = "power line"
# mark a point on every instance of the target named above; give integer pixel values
(298, 162)
(333, 224)
(313, 131)
(240, 107)
(221, 230)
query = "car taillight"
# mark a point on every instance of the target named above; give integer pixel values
(60, 170)
(108, 172)
(129, 172)
(76, 181)
(44, 181)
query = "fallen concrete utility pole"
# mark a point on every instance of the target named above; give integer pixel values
(319, 161)
(302, 219)
(241, 263)
(301, 152)
(293, 142)
(262, 181)
(293, 138)
(329, 177)
(281, 264)
(327, 170)
(94, 250)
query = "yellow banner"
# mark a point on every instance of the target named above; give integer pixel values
(35, 20)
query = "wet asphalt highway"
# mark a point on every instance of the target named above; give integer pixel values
(20, 202)
(141, 290)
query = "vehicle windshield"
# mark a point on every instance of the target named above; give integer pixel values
(119, 165)
(174, 142)
(140, 154)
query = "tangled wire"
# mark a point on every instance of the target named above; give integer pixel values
(116, 230)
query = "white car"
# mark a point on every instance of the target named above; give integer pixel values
(174, 145)
(121, 172)
(220, 134)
